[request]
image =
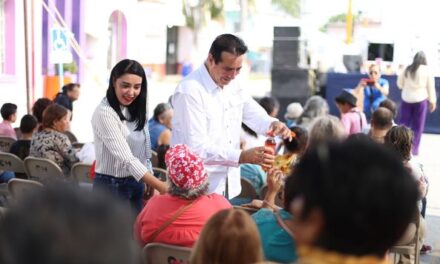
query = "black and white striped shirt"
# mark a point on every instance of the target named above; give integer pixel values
(120, 151)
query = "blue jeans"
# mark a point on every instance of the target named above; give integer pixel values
(128, 189)
(5, 176)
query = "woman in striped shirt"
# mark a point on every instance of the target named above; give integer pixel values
(121, 138)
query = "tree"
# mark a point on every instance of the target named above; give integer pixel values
(291, 7)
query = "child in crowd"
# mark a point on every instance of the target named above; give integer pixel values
(9, 115)
(28, 126)
(293, 149)
(353, 120)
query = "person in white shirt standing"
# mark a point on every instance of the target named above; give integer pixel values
(418, 96)
(209, 107)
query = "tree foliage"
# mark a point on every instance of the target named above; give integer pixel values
(291, 7)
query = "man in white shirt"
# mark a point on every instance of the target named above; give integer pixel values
(209, 107)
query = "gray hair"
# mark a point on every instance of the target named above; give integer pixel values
(315, 106)
(190, 194)
(326, 128)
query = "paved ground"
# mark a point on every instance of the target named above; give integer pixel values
(429, 156)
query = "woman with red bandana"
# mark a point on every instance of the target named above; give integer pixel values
(178, 217)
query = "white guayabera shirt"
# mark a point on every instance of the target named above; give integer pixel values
(208, 119)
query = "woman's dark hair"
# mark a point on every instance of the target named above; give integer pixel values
(419, 59)
(39, 106)
(399, 139)
(161, 151)
(298, 143)
(138, 108)
(69, 87)
(28, 123)
(390, 105)
(160, 109)
(269, 104)
(365, 195)
(228, 43)
(52, 114)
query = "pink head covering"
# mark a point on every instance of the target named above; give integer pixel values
(185, 168)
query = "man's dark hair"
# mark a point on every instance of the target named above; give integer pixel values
(69, 87)
(228, 43)
(390, 105)
(382, 118)
(39, 106)
(269, 104)
(7, 110)
(160, 109)
(365, 195)
(64, 224)
(138, 108)
(28, 123)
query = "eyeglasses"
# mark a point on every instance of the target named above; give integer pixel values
(373, 72)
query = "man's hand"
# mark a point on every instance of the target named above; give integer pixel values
(262, 156)
(279, 128)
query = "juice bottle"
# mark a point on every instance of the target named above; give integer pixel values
(271, 143)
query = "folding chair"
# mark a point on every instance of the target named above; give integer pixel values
(81, 172)
(158, 253)
(20, 187)
(71, 136)
(42, 169)
(160, 173)
(10, 162)
(6, 143)
(412, 249)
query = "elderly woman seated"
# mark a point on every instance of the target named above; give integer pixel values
(50, 142)
(178, 217)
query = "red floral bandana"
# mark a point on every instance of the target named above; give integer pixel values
(185, 168)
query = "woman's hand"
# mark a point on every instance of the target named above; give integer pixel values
(274, 183)
(155, 183)
(432, 107)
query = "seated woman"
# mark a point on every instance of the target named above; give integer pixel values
(50, 142)
(160, 125)
(178, 217)
(230, 236)
(272, 222)
(345, 204)
(399, 139)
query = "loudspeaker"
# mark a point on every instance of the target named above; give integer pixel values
(286, 32)
(290, 83)
(285, 54)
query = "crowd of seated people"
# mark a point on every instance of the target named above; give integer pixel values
(327, 209)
